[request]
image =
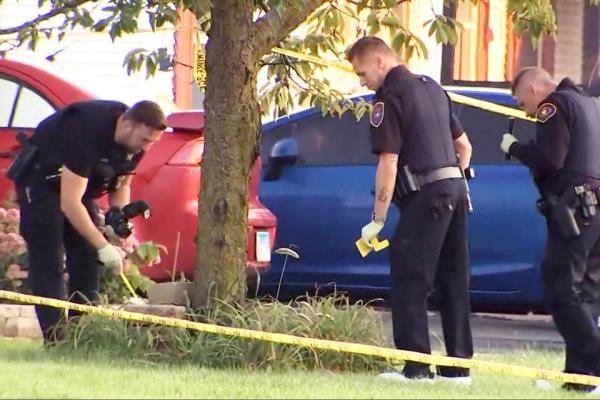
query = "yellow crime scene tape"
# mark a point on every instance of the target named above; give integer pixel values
(128, 285)
(321, 344)
(458, 98)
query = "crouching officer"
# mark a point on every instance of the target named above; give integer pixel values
(417, 139)
(565, 165)
(76, 155)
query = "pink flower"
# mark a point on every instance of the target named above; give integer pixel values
(5, 248)
(12, 244)
(13, 238)
(2, 213)
(13, 271)
(13, 216)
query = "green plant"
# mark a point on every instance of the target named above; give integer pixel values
(13, 262)
(113, 289)
(333, 317)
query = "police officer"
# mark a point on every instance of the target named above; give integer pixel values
(565, 164)
(417, 139)
(80, 153)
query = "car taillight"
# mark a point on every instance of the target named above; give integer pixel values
(263, 246)
(189, 155)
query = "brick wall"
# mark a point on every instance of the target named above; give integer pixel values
(568, 52)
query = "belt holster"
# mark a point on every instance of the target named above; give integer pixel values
(406, 182)
(561, 210)
(24, 160)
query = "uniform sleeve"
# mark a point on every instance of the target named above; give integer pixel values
(455, 126)
(386, 135)
(548, 152)
(79, 148)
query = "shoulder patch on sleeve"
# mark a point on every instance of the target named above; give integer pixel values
(377, 114)
(545, 112)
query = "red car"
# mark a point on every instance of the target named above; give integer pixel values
(27, 95)
(168, 176)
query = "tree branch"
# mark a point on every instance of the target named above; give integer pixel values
(272, 28)
(358, 3)
(44, 17)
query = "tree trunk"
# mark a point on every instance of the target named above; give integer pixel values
(232, 130)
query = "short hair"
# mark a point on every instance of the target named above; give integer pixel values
(529, 73)
(367, 44)
(148, 113)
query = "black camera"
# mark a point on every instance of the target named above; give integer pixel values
(118, 218)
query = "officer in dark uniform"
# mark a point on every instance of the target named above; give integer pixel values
(417, 139)
(79, 153)
(565, 163)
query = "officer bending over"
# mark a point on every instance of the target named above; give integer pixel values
(79, 153)
(417, 139)
(565, 163)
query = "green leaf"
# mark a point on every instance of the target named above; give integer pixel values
(142, 252)
(102, 24)
(391, 21)
(440, 34)
(432, 28)
(373, 24)
(399, 41)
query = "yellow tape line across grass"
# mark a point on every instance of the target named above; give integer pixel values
(321, 344)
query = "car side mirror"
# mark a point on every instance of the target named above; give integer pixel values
(284, 152)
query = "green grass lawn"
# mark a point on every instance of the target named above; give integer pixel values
(28, 371)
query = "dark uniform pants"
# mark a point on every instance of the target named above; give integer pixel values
(430, 250)
(47, 232)
(571, 276)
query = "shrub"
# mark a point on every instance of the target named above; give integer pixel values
(332, 317)
(13, 252)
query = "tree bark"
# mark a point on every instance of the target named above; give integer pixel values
(232, 129)
(232, 138)
(273, 27)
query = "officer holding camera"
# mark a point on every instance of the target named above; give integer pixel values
(75, 156)
(565, 165)
(417, 138)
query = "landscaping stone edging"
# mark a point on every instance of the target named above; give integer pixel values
(21, 320)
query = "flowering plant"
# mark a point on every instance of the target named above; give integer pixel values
(13, 252)
(137, 255)
(13, 261)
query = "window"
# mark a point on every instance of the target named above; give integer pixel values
(31, 109)
(333, 141)
(485, 130)
(325, 140)
(8, 93)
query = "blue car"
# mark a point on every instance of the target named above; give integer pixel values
(318, 178)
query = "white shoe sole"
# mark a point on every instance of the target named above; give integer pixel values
(398, 376)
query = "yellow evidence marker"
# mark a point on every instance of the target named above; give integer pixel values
(364, 250)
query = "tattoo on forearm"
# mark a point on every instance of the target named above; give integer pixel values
(383, 195)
